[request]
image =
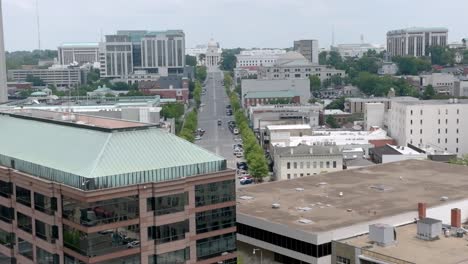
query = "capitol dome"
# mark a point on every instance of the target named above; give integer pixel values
(212, 44)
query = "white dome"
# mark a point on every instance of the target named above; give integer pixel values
(212, 43)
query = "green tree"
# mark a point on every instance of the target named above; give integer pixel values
(331, 121)
(442, 56)
(315, 83)
(134, 92)
(36, 81)
(336, 80)
(120, 86)
(173, 110)
(197, 93)
(93, 76)
(200, 73)
(190, 60)
(16, 59)
(228, 59)
(334, 59)
(323, 58)
(429, 92)
(460, 161)
(336, 104)
(412, 65)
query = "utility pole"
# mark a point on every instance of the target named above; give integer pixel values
(38, 26)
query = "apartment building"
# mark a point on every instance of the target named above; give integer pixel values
(58, 76)
(309, 48)
(415, 41)
(293, 65)
(303, 161)
(298, 220)
(81, 53)
(83, 189)
(430, 122)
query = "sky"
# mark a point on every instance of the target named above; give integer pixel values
(233, 23)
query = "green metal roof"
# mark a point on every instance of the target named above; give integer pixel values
(71, 154)
(270, 94)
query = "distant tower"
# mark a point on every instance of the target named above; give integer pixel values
(3, 79)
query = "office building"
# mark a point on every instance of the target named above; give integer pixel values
(264, 91)
(58, 76)
(3, 78)
(296, 221)
(262, 116)
(83, 189)
(392, 153)
(303, 161)
(356, 50)
(357, 105)
(430, 122)
(309, 48)
(79, 53)
(258, 57)
(293, 65)
(415, 41)
(157, 53)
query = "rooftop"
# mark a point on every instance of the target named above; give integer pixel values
(368, 194)
(106, 152)
(335, 112)
(80, 45)
(379, 99)
(446, 250)
(270, 94)
(289, 127)
(436, 102)
(307, 150)
(291, 58)
(418, 29)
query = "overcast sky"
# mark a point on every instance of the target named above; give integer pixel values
(233, 23)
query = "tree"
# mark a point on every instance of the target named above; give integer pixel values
(331, 121)
(190, 60)
(336, 104)
(93, 76)
(412, 65)
(16, 59)
(228, 59)
(336, 80)
(315, 83)
(173, 110)
(429, 92)
(334, 59)
(323, 58)
(120, 86)
(134, 92)
(442, 56)
(202, 57)
(460, 161)
(197, 93)
(200, 73)
(36, 81)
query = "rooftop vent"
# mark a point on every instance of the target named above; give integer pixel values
(321, 184)
(444, 198)
(382, 234)
(275, 206)
(429, 228)
(299, 189)
(381, 187)
(245, 197)
(305, 221)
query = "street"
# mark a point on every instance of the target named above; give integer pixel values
(217, 139)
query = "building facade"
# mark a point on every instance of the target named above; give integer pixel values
(309, 48)
(430, 122)
(293, 65)
(415, 41)
(60, 77)
(258, 57)
(178, 207)
(358, 105)
(288, 88)
(212, 56)
(81, 53)
(356, 50)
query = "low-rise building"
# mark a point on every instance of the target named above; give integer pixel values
(357, 105)
(392, 153)
(58, 76)
(460, 88)
(262, 116)
(296, 221)
(303, 160)
(339, 115)
(443, 83)
(356, 50)
(172, 87)
(284, 88)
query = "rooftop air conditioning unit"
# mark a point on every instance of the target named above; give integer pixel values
(275, 206)
(382, 234)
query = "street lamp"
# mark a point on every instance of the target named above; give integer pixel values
(261, 254)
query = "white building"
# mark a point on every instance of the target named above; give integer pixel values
(301, 161)
(460, 88)
(299, 87)
(438, 123)
(373, 115)
(388, 68)
(212, 56)
(58, 76)
(258, 57)
(3, 78)
(357, 105)
(356, 50)
(309, 48)
(81, 53)
(266, 115)
(393, 153)
(415, 41)
(442, 83)
(293, 65)
(200, 53)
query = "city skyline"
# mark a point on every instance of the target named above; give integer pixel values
(215, 19)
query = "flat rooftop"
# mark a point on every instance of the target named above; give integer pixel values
(446, 250)
(379, 99)
(289, 127)
(369, 194)
(435, 102)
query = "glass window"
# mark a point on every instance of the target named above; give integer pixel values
(45, 204)
(23, 196)
(6, 189)
(168, 233)
(101, 212)
(288, 165)
(44, 257)
(215, 246)
(174, 257)
(46, 232)
(301, 165)
(168, 204)
(25, 248)
(6, 214)
(7, 239)
(216, 192)
(334, 164)
(24, 222)
(327, 164)
(215, 219)
(295, 165)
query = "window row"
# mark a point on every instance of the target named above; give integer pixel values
(174, 257)
(215, 246)
(215, 192)
(42, 203)
(315, 164)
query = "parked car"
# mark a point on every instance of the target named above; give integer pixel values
(246, 180)
(235, 131)
(239, 154)
(242, 165)
(228, 106)
(198, 137)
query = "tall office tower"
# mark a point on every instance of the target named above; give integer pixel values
(3, 85)
(308, 48)
(116, 56)
(415, 41)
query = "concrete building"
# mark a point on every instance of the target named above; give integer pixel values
(460, 88)
(392, 153)
(3, 78)
(58, 76)
(309, 48)
(170, 87)
(303, 160)
(388, 68)
(356, 50)
(289, 87)
(297, 220)
(374, 114)
(258, 57)
(357, 105)
(293, 65)
(339, 115)
(212, 56)
(415, 41)
(81, 53)
(155, 52)
(261, 116)
(430, 122)
(126, 193)
(443, 83)
(200, 53)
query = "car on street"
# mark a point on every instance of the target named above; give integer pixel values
(239, 154)
(202, 105)
(246, 180)
(242, 165)
(235, 131)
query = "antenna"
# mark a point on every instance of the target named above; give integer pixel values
(38, 26)
(333, 35)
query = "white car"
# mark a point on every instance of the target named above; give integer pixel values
(235, 131)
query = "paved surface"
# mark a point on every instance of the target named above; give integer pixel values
(217, 139)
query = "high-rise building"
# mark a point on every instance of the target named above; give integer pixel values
(84, 189)
(80, 53)
(3, 79)
(309, 48)
(152, 52)
(415, 41)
